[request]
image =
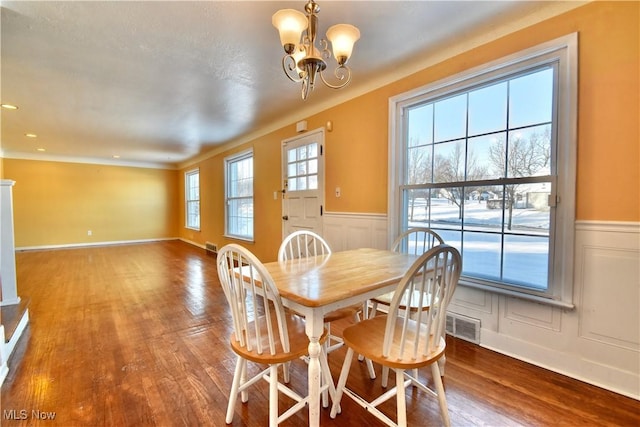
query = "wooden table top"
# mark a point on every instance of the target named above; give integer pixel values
(325, 279)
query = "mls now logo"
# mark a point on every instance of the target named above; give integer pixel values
(14, 414)
(23, 414)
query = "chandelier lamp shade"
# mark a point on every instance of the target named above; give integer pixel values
(303, 62)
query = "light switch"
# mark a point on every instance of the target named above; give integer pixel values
(338, 192)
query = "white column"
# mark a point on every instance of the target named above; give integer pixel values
(7, 245)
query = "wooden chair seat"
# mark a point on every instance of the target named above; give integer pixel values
(367, 338)
(298, 342)
(413, 306)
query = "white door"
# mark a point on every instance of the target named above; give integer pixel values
(303, 182)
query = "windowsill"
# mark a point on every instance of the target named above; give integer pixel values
(244, 239)
(521, 295)
(192, 228)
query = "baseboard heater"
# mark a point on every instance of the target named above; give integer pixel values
(463, 327)
(211, 248)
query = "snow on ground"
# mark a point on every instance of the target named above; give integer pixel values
(524, 257)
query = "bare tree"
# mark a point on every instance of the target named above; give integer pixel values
(419, 168)
(457, 168)
(524, 157)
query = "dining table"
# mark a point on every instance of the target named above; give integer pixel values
(317, 285)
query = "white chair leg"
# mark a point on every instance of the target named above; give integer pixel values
(385, 376)
(365, 310)
(442, 399)
(372, 372)
(365, 315)
(441, 363)
(326, 376)
(401, 400)
(374, 309)
(285, 371)
(244, 395)
(414, 372)
(341, 382)
(273, 396)
(233, 395)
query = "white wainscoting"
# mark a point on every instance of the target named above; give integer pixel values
(598, 342)
(344, 231)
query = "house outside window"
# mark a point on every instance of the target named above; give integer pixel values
(487, 160)
(239, 196)
(192, 199)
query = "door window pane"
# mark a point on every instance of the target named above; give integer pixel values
(302, 168)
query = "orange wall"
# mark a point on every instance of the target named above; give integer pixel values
(267, 211)
(56, 203)
(608, 181)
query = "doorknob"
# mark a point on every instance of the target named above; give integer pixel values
(285, 217)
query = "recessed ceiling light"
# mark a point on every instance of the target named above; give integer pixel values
(41, 149)
(8, 107)
(30, 135)
(115, 156)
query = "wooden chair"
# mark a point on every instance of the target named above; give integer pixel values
(404, 342)
(414, 241)
(264, 332)
(305, 243)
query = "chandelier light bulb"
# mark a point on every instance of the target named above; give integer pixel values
(290, 24)
(303, 61)
(342, 38)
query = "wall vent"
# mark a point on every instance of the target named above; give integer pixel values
(211, 248)
(463, 327)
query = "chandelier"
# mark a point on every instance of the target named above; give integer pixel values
(303, 61)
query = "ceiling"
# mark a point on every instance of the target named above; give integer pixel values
(163, 83)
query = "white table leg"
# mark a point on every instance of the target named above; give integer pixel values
(314, 329)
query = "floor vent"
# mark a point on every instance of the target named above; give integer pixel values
(211, 248)
(463, 327)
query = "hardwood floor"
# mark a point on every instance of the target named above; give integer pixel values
(138, 335)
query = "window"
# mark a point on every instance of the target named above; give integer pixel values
(239, 196)
(302, 167)
(487, 160)
(192, 199)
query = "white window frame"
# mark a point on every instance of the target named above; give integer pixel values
(228, 161)
(564, 50)
(188, 201)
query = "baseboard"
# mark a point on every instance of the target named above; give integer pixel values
(191, 242)
(564, 363)
(83, 245)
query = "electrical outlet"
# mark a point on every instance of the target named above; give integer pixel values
(89, 232)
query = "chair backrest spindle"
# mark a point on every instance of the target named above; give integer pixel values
(302, 244)
(256, 307)
(433, 277)
(416, 241)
